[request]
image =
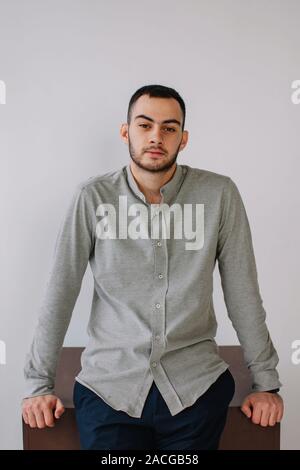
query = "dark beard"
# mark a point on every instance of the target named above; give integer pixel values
(160, 169)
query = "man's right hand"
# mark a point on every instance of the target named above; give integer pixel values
(41, 410)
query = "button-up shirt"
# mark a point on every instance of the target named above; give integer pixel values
(152, 316)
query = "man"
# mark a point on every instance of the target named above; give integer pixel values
(151, 374)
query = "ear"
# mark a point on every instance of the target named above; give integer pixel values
(124, 132)
(184, 140)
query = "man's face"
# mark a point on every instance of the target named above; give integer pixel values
(148, 133)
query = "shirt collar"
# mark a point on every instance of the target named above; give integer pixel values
(168, 190)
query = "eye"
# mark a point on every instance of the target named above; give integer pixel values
(171, 129)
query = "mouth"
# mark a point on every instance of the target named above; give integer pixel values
(152, 152)
(155, 155)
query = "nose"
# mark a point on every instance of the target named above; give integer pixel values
(156, 137)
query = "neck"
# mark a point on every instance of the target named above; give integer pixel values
(151, 182)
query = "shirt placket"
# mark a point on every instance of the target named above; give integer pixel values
(160, 290)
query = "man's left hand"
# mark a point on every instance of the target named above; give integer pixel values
(264, 408)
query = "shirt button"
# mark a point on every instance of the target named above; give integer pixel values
(158, 243)
(154, 364)
(160, 276)
(157, 305)
(157, 337)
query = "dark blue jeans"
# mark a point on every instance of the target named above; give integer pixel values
(197, 427)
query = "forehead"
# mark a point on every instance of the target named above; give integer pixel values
(157, 108)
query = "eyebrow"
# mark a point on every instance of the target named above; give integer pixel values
(152, 120)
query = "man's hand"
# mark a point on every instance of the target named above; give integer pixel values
(38, 411)
(264, 408)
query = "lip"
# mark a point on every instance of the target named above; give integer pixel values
(154, 152)
(155, 155)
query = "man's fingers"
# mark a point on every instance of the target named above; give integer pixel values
(48, 417)
(39, 417)
(25, 417)
(31, 419)
(265, 416)
(256, 414)
(266, 408)
(273, 418)
(39, 411)
(280, 414)
(246, 408)
(59, 410)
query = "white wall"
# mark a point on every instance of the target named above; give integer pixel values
(70, 68)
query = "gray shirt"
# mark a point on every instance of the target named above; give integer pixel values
(152, 315)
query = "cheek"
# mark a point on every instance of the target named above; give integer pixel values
(136, 136)
(140, 142)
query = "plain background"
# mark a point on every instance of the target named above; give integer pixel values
(70, 68)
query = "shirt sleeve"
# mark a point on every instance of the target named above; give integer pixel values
(237, 267)
(73, 248)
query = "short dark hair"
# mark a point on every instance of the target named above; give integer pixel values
(156, 91)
